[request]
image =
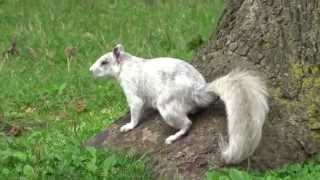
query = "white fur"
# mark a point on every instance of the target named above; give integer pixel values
(245, 97)
(175, 88)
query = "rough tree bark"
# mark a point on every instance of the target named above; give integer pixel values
(280, 39)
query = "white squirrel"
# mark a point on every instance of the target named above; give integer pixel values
(175, 88)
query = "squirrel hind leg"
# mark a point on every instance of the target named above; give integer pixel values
(175, 117)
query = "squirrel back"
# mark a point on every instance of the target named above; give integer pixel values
(154, 78)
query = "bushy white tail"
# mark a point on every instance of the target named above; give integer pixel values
(245, 97)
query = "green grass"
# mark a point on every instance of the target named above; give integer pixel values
(52, 108)
(309, 170)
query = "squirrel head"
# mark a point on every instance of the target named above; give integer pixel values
(108, 65)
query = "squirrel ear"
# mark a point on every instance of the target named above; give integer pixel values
(117, 52)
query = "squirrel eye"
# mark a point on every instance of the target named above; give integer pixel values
(104, 62)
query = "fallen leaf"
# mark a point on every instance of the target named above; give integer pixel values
(13, 50)
(70, 52)
(80, 105)
(15, 131)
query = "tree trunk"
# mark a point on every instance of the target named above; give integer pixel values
(280, 39)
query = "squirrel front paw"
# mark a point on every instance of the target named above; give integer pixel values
(127, 127)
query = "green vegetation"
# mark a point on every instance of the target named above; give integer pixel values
(50, 104)
(306, 171)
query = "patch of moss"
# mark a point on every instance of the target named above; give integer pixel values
(297, 71)
(315, 69)
(309, 99)
(307, 83)
(313, 114)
